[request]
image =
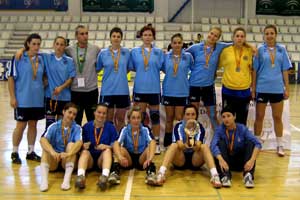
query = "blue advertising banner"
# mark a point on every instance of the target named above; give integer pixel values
(4, 65)
(58, 5)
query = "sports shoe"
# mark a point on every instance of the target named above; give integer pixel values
(102, 182)
(80, 182)
(157, 149)
(248, 180)
(160, 179)
(33, 156)
(150, 179)
(280, 151)
(215, 181)
(226, 182)
(15, 158)
(114, 178)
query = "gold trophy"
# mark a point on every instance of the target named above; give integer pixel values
(191, 129)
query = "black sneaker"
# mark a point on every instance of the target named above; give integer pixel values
(33, 156)
(15, 158)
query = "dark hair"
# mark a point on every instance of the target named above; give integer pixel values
(191, 106)
(77, 29)
(30, 38)
(133, 109)
(228, 109)
(116, 30)
(70, 105)
(271, 26)
(147, 28)
(101, 105)
(61, 37)
(239, 29)
(176, 35)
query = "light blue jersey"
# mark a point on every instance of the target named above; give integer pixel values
(58, 70)
(147, 78)
(126, 140)
(29, 91)
(269, 79)
(114, 81)
(55, 138)
(176, 84)
(203, 75)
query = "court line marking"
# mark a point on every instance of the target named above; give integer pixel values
(295, 127)
(129, 185)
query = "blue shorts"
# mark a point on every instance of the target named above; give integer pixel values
(26, 114)
(118, 101)
(151, 99)
(269, 97)
(188, 162)
(206, 94)
(175, 101)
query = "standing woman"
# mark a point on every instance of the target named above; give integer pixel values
(147, 62)
(114, 90)
(202, 79)
(98, 137)
(236, 60)
(60, 74)
(135, 147)
(26, 89)
(177, 64)
(187, 150)
(271, 83)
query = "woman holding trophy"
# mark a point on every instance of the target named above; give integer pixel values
(187, 150)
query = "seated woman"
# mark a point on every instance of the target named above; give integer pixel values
(187, 149)
(98, 137)
(60, 144)
(234, 148)
(135, 147)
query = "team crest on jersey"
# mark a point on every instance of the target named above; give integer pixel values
(245, 58)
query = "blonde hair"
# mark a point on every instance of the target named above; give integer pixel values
(133, 109)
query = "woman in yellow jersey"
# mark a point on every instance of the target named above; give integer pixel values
(237, 63)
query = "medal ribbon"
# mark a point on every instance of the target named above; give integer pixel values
(115, 60)
(34, 66)
(146, 59)
(98, 136)
(207, 55)
(135, 139)
(80, 60)
(239, 57)
(230, 142)
(65, 137)
(272, 55)
(55, 105)
(176, 61)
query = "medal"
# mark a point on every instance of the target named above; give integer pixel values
(55, 105)
(64, 136)
(146, 59)
(207, 55)
(272, 53)
(97, 136)
(238, 59)
(34, 66)
(135, 139)
(176, 61)
(238, 69)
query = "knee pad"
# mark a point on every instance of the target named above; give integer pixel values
(154, 116)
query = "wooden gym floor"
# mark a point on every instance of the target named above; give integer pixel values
(275, 178)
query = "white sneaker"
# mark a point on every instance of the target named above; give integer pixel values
(248, 180)
(226, 182)
(157, 149)
(215, 181)
(280, 151)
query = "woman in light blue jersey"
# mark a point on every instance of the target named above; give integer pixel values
(26, 89)
(115, 60)
(135, 147)
(177, 65)
(147, 62)
(60, 74)
(271, 83)
(203, 73)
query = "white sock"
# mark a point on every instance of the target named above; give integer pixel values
(162, 170)
(30, 148)
(105, 172)
(16, 149)
(67, 178)
(279, 141)
(44, 176)
(81, 172)
(213, 172)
